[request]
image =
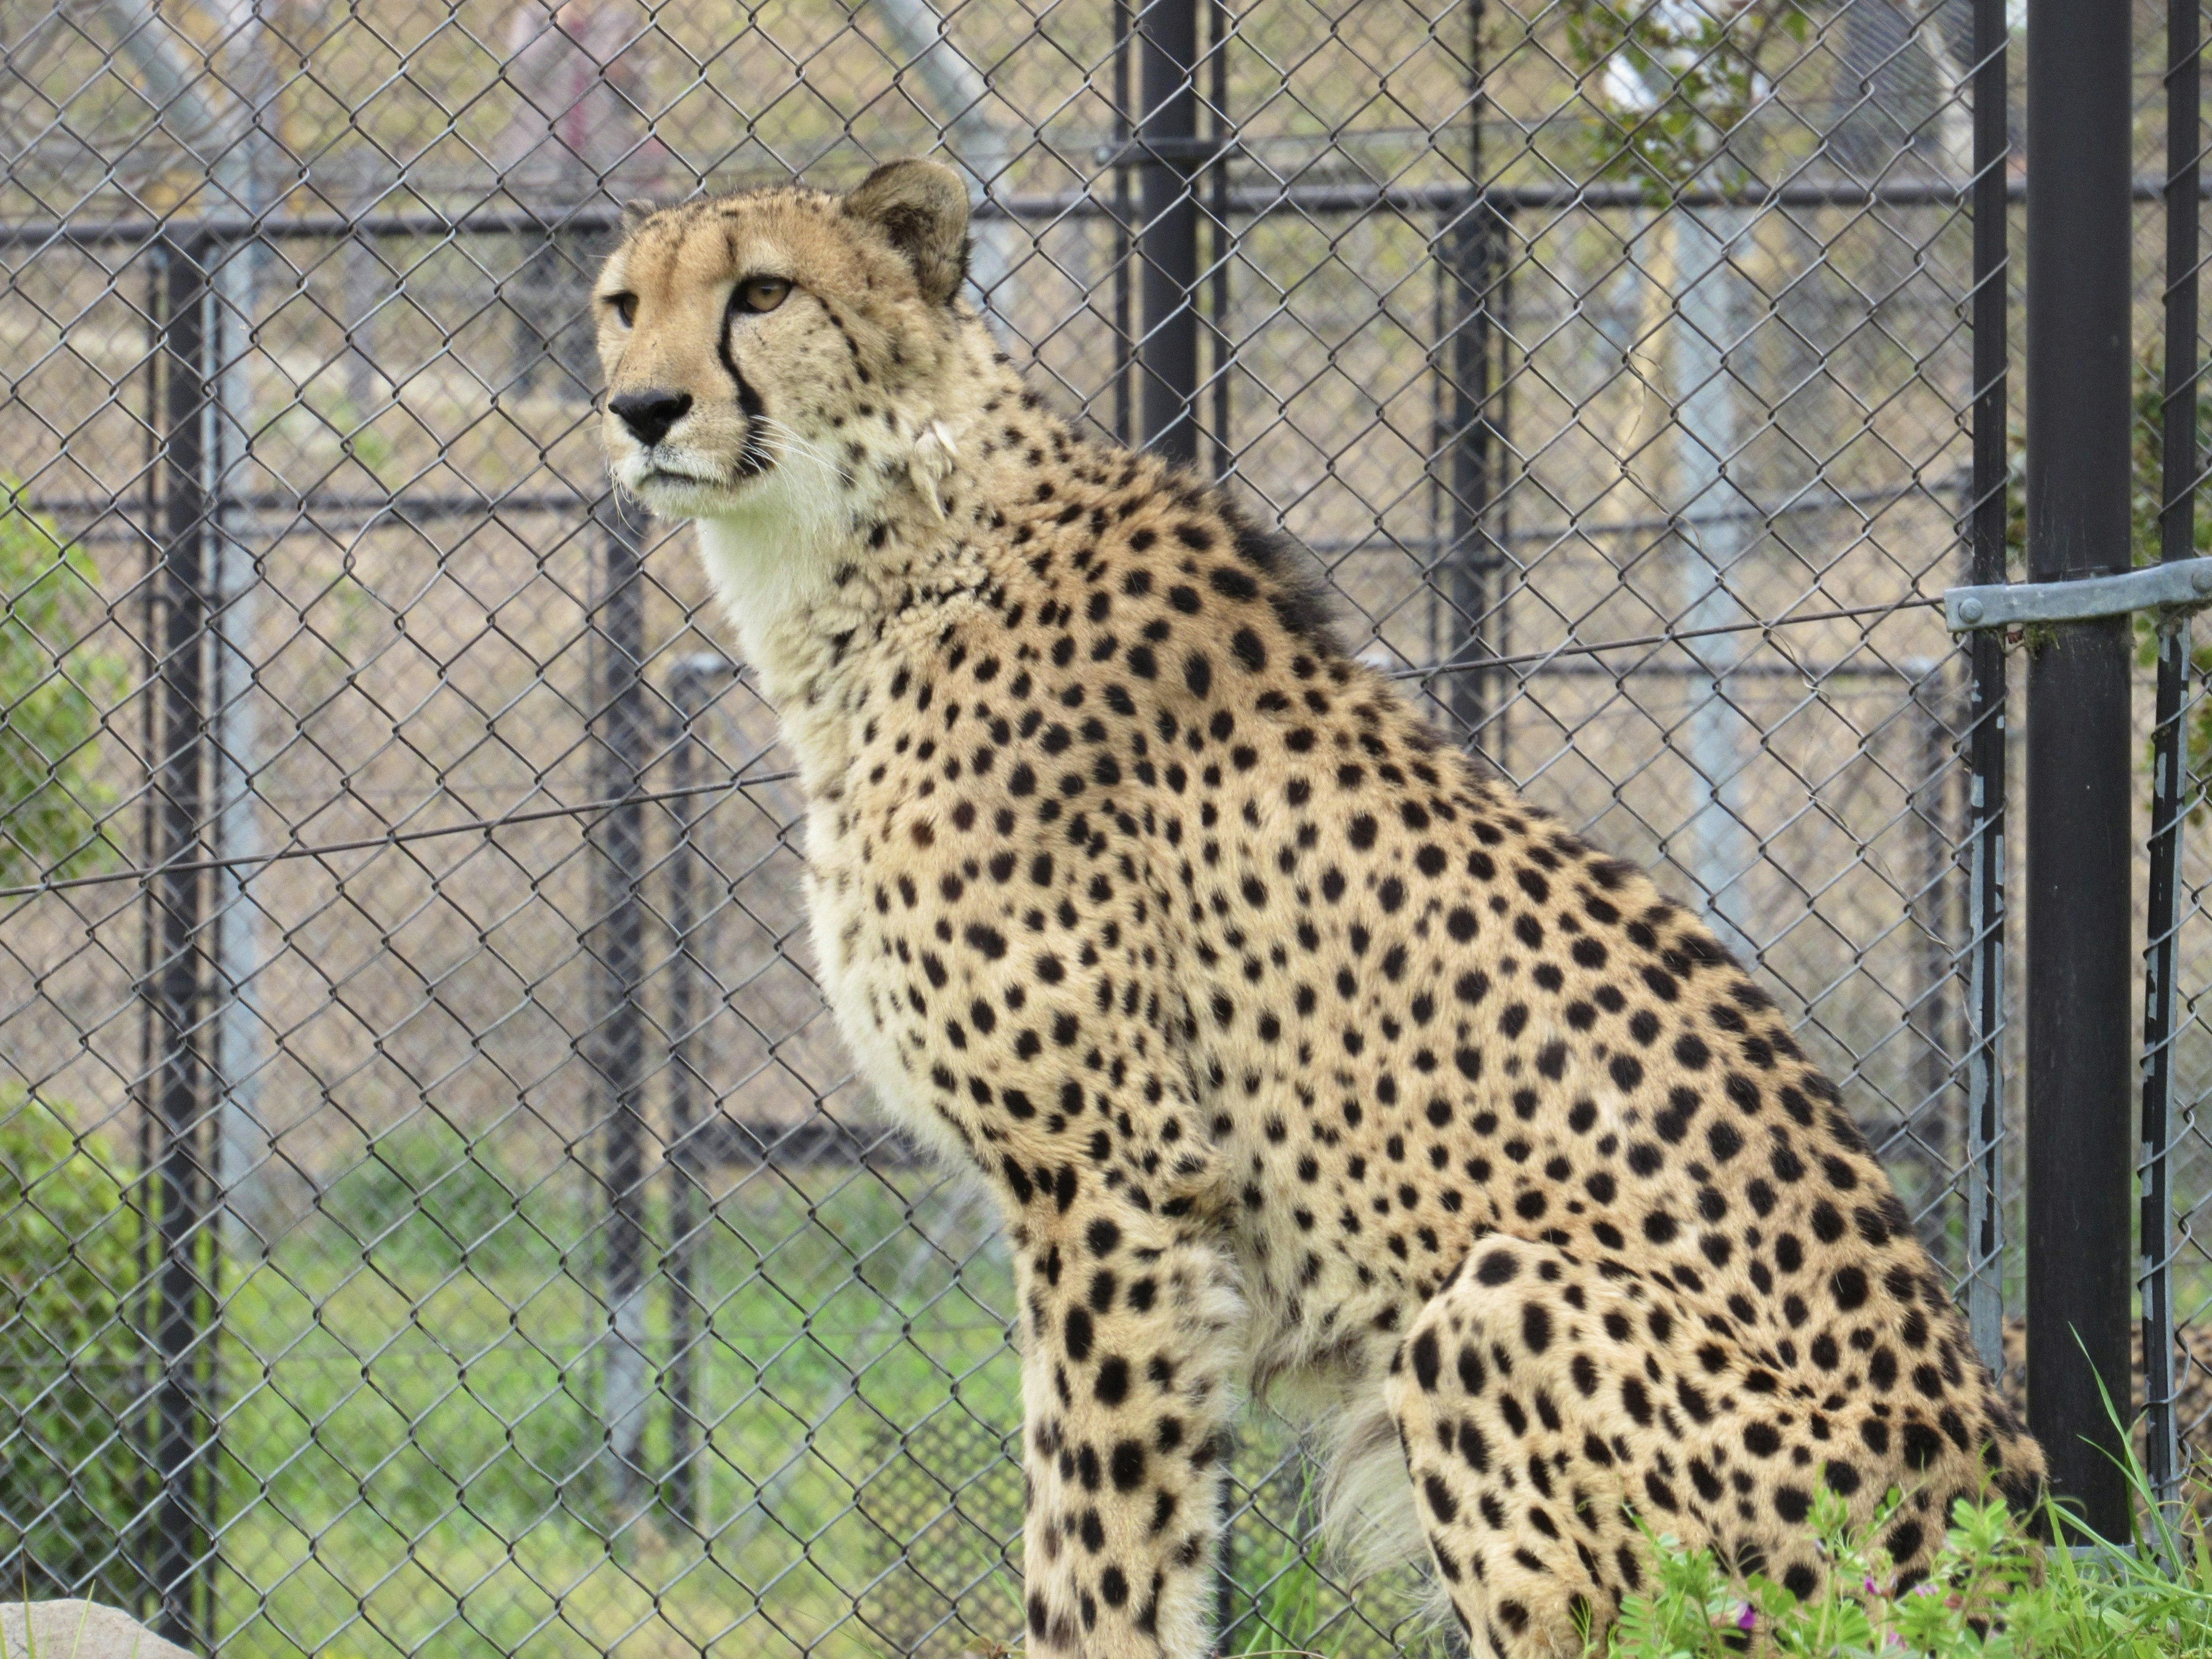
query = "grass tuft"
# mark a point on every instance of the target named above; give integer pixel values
(1992, 1592)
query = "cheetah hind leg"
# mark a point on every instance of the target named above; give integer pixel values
(1542, 1403)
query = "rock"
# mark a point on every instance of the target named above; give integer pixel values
(78, 1629)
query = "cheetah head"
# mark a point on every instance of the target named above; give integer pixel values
(742, 337)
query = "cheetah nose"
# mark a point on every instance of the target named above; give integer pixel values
(649, 415)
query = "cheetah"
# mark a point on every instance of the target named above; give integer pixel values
(1304, 1056)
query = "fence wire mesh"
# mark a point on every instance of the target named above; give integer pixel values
(436, 1213)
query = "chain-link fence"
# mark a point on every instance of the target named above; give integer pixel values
(436, 1213)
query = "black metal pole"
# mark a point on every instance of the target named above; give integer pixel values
(145, 1193)
(1223, 242)
(1167, 356)
(1986, 736)
(691, 689)
(176, 990)
(2078, 1163)
(623, 728)
(1124, 208)
(1473, 264)
(2169, 763)
(1926, 1146)
(1471, 267)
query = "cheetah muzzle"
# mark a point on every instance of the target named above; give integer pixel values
(1298, 1048)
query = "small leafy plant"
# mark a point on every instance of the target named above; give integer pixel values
(1670, 85)
(1992, 1593)
(52, 687)
(72, 1363)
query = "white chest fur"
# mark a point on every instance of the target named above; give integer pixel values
(775, 575)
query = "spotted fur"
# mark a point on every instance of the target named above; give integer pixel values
(1300, 1050)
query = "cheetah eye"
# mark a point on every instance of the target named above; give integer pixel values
(625, 307)
(762, 294)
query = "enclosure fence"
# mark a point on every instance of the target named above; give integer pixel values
(436, 1215)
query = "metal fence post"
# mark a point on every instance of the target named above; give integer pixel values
(623, 728)
(1717, 518)
(1471, 271)
(1925, 1152)
(1985, 741)
(1470, 258)
(2169, 765)
(2078, 747)
(691, 688)
(1222, 243)
(1124, 299)
(176, 991)
(1167, 145)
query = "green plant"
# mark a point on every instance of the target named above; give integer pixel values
(52, 683)
(1284, 1614)
(70, 1359)
(1990, 1593)
(426, 1197)
(1671, 84)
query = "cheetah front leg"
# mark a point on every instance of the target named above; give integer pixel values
(1131, 1327)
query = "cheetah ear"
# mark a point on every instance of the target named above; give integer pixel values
(922, 207)
(635, 212)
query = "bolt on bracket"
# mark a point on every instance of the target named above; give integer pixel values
(2178, 584)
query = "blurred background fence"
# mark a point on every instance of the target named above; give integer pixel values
(435, 1214)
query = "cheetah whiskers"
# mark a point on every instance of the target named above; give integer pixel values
(796, 445)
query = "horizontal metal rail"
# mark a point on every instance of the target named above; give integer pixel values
(1092, 202)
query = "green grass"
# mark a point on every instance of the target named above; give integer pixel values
(1992, 1593)
(412, 1450)
(411, 1430)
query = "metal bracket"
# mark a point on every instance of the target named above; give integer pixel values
(2179, 584)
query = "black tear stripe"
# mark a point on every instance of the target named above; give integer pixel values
(754, 459)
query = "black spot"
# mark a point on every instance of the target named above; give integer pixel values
(1127, 1466)
(1921, 1444)
(1427, 1363)
(1113, 1380)
(1471, 1375)
(1473, 1448)
(1440, 1499)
